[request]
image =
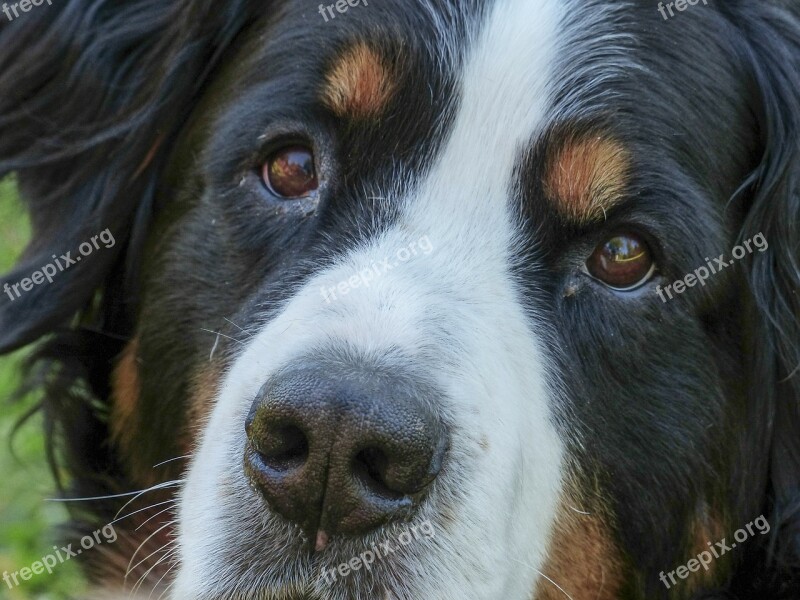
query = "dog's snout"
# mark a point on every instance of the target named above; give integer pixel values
(343, 451)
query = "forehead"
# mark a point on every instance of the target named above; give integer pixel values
(582, 87)
(417, 44)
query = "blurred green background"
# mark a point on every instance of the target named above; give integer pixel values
(27, 519)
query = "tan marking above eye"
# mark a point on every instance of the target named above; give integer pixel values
(586, 176)
(359, 85)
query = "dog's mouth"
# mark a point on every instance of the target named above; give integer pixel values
(346, 569)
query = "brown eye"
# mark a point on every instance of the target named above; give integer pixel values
(622, 262)
(290, 172)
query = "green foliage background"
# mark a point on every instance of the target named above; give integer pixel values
(27, 519)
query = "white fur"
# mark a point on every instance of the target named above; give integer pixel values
(456, 314)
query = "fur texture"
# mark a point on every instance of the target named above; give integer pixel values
(669, 424)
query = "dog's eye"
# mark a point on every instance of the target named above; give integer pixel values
(622, 262)
(290, 173)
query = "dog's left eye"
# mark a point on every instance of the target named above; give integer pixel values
(622, 262)
(290, 172)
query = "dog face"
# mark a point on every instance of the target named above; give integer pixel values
(399, 294)
(361, 277)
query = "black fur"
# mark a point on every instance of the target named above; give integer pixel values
(774, 277)
(93, 95)
(94, 99)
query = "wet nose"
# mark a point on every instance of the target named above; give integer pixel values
(343, 451)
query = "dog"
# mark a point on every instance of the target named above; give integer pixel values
(383, 315)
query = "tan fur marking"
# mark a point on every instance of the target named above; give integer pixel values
(586, 177)
(706, 527)
(204, 390)
(359, 85)
(126, 389)
(583, 558)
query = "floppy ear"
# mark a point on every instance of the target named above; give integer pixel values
(92, 94)
(773, 53)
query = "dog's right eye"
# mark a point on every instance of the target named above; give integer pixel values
(290, 173)
(622, 262)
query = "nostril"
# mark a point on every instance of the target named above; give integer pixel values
(371, 468)
(283, 448)
(334, 450)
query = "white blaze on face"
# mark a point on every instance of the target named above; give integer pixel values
(456, 314)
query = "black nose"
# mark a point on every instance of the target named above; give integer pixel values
(342, 450)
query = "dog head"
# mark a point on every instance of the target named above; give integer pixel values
(393, 290)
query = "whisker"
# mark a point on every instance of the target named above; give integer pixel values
(117, 520)
(91, 498)
(143, 578)
(169, 460)
(147, 539)
(244, 331)
(582, 512)
(158, 583)
(166, 589)
(165, 548)
(213, 348)
(543, 575)
(223, 335)
(161, 512)
(158, 486)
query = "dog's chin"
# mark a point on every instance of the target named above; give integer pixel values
(299, 573)
(340, 591)
(278, 595)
